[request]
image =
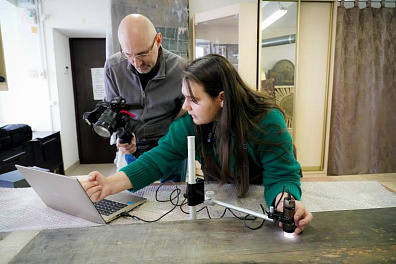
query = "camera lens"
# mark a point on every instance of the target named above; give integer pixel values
(105, 125)
(102, 131)
(289, 227)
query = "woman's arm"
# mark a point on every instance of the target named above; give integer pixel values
(280, 168)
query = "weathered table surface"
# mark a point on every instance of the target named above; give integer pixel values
(359, 236)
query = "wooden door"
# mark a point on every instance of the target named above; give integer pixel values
(87, 53)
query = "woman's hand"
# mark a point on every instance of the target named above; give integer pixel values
(97, 187)
(302, 216)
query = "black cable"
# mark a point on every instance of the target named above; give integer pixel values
(283, 191)
(225, 210)
(177, 190)
(262, 223)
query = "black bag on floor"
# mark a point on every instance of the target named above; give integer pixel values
(14, 134)
(5, 139)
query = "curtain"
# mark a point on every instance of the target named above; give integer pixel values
(170, 17)
(363, 118)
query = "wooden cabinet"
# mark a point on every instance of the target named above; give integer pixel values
(47, 151)
(304, 35)
(307, 102)
(18, 155)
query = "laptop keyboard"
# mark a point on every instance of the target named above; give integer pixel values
(107, 207)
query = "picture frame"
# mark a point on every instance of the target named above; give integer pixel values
(202, 47)
(229, 51)
(220, 49)
(233, 53)
(282, 72)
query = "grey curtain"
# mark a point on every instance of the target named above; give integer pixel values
(363, 118)
(170, 17)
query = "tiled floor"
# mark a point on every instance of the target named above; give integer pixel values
(388, 180)
(106, 169)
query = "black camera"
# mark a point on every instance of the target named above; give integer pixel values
(289, 209)
(287, 216)
(107, 118)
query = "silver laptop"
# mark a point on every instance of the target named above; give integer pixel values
(66, 194)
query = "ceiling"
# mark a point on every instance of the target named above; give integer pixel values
(288, 20)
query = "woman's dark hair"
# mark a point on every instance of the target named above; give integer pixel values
(242, 109)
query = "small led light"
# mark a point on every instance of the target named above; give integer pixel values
(288, 235)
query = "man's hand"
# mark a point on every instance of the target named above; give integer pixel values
(127, 148)
(302, 216)
(96, 187)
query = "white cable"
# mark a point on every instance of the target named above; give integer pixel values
(209, 200)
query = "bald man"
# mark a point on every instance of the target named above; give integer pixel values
(145, 74)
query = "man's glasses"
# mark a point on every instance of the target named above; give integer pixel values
(140, 55)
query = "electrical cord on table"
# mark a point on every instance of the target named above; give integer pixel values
(176, 190)
(171, 199)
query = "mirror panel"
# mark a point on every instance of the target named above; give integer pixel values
(218, 36)
(230, 31)
(278, 25)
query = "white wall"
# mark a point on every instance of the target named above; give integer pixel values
(26, 100)
(61, 84)
(197, 6)
(76, 18)
(64, 20)
(47, 102)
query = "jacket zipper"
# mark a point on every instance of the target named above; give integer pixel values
(143, 96)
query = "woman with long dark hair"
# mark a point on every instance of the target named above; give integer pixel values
(241, 138)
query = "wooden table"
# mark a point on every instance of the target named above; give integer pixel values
(359, 236)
